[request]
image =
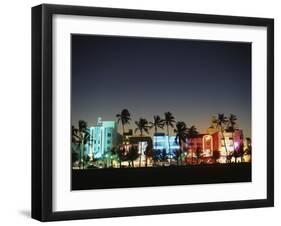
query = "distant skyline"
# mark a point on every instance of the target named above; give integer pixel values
(149, 76)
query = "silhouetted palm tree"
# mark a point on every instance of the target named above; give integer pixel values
(132, 155)
(181, 132)
(236, 155)
(216, 156)
(169, 121)
(177, 156)
(118, 153)
(232, 122)
(241, 152)
(148, 154)
(198, 153)
(157, 123)
(221, 123)
(192, 133)
(124, 118)
(142, 126)
(81, 136)
(232, 126)
(76, 139)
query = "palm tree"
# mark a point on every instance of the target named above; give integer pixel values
(142, 126)
(192, 133)
(198, 153)
(76, 139)
(241, 152)
(124, 118)
(157, 123)
(178, 153)
(221, 122)
(181, 132)
(169, 121)
(236, 155)
(132, 155)
(232, 126)
(81, 136)
(216, 156)
(232, 122)
(148, 154)
(118, 153)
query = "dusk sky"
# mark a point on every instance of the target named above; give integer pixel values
(192, 79)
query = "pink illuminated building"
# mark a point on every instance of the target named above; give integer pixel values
(203, 145)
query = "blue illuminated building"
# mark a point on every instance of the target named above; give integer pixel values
(161, 142)
(103, 138)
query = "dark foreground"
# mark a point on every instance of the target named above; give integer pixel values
(162, 176)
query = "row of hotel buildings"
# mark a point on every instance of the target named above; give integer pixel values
(104, 136)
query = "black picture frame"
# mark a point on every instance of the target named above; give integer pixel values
(42, 111)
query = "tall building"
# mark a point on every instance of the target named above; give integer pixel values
(103, 138)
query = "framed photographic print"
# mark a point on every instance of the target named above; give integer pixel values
(146, 112)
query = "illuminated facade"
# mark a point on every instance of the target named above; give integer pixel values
(143, 143)
(202, 142)
(103, 138)
(161, 142)
(225, 143)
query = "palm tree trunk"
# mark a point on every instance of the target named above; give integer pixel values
(224, 144)
(191, 152)
(83, 154)
(83, 148)
(168, 143)
(80, 157)
(140, 151)
(123, 129)
(233, 146)
(180, 151)
(153, 149)
(233, 141)
(146, 160)
(187, 148)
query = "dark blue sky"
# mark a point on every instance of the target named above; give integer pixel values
(192, 79)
